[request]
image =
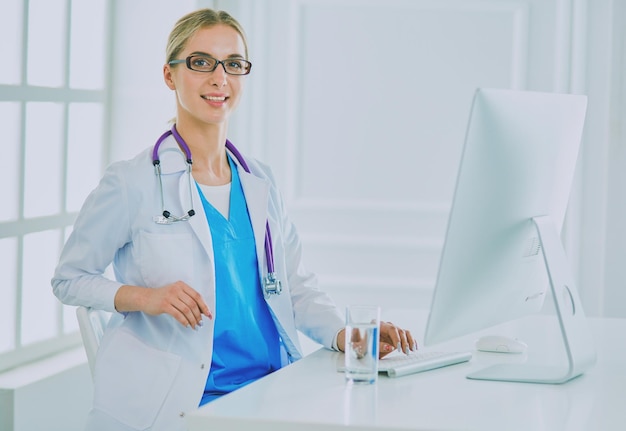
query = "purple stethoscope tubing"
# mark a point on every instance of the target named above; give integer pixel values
(271, 284)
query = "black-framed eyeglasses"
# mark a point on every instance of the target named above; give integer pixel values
(205, 63)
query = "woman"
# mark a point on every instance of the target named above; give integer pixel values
(194, 313)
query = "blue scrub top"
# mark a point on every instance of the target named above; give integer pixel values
(246, 343)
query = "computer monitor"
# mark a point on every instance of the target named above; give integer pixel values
(502, 254)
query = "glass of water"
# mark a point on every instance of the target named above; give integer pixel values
(362, 332)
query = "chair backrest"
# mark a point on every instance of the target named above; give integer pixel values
(91, 323)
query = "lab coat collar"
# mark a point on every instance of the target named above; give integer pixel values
(256, 191)
(199, 221)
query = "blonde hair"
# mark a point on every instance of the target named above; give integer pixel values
(189, 24)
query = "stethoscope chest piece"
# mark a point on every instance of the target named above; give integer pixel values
(271, 285)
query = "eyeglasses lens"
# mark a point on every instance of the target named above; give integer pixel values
(234, 66)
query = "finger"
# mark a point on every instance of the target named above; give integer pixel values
(203, 308)
(385, 349)
(194, 301)
(187, 304)
(407, 342)
(404, 342)
(389, 334)
(190, 317)
(412, 341)
(360, 348)
(178, 315)
(356, 336)
(179, 296)
(400, 338)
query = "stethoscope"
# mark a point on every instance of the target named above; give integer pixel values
(271, 284)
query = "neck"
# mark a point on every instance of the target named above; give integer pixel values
(207, 145)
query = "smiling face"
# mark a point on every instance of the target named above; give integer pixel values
(207, 97)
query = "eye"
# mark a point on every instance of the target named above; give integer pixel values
(202, 62)
(235, 64)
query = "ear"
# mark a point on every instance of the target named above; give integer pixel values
(168, 78)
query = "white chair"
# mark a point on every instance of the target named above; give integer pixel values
(91, 323)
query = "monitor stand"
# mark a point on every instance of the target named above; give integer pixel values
(574, 328)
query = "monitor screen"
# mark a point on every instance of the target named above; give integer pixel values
(516, 170)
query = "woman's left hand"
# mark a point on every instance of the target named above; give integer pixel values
(394, 338)
(391, 338)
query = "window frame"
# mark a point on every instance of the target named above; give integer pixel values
(63, 220)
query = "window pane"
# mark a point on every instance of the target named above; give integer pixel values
(47, 26)
(10, 160)
(44, 157)
(8, 281)
(39, 305)
(84, 153)
(87, 44)
(11, 37)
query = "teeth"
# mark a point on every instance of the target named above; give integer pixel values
(214, 99)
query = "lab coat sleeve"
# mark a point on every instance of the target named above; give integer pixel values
(101, 229)
(316, 315)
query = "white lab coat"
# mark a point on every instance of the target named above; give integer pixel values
(150, 370)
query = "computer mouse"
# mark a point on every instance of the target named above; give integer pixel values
(500, 344)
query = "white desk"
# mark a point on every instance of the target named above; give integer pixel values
(310, 395)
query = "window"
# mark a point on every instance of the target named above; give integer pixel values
(53, 105)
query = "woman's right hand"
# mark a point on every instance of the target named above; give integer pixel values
(177, 299)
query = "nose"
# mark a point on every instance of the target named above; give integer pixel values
(218, 76)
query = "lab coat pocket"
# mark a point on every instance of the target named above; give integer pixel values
(133, 379)
(165, 258)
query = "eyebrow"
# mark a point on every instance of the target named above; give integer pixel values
(204, 54)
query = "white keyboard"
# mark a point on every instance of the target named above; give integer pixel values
(416, 362)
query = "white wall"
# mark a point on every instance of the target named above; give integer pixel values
(603, 234)
(615, 296)
(142, 104)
